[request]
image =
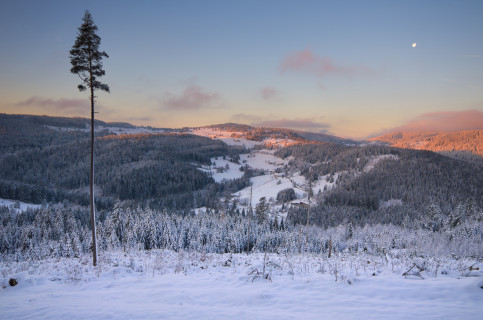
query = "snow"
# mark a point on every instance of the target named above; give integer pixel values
(270, 184)
(219, 170)
(391, 202)
(319, 185)
(225, 136)
(264, 186)
(376, 159)
(112, 130)
(19, 205)
(136, 130)
(228, 137)
(169, 285)
(263, 159)
(278, 142)
(267, 185)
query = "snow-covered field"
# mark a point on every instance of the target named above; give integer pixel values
(263, 159)
(18, 205)
(269, 184)
(232, 138)
(169, 285)
(223, 169)
(225, 136)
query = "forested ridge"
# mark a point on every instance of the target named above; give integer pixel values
(51, 166)
(41, 164)
(147, 186)
(261, 133)
(417, 180)
(458, 142)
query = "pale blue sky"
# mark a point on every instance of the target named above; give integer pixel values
(344, 67)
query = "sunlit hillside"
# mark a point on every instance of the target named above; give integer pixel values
(457, 141)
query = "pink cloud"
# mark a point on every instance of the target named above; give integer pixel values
(441, 121)
(63, 105)
(268, 93)
(307, 62)
(192, 98)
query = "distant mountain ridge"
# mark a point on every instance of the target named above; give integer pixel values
(259, 133)
(64, 122)
(324, 137)
(460, 144)
(14, 122)
(46, 160)
(454, 141)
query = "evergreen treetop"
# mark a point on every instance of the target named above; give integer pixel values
(85, 57)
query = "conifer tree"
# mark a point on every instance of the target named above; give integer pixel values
(262, 210)
(86, 60)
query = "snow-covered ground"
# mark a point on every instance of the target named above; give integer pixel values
(375, 160)
(263, 159)
(391, 202)
(232, 138)
(271, 183)
(223, 169)
(136, 130)
(112, 130)
(18, 205)
(267, 185)
(225, 136)
(168, 285)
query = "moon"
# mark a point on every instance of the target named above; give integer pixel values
(414, 45)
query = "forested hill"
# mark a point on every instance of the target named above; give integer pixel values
(39, 163)
(29, 131)
(378, 184)
(149, 185)
(12, 120)
(456, 141)
(261, 133)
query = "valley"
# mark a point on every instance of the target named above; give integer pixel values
(261, 213)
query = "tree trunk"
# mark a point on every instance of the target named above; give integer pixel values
(249, 219)
(300, 236)
(308, 198)
(91, 178)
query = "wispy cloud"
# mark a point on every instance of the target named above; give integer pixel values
(268, 93)
(244, 118)
(299, 124)
(308, 124)
(56, 105)
(192, 98)
(309, 63)
(441, 121)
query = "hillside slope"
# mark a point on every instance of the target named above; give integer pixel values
(270, 137)
(466, 141)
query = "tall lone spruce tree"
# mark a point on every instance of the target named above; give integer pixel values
(86, 60)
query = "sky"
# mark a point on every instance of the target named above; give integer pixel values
(348, 68)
